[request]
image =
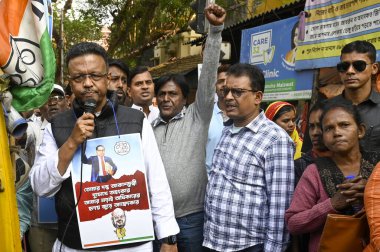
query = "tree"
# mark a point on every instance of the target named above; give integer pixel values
(138, 23)
(76, 29)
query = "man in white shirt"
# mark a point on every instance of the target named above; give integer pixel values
(88, 74)
(141, 90)
(42, 235)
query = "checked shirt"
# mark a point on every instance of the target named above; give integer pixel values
(250, 187)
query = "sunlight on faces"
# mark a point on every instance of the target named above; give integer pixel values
(89, 88)
(341, 134)
(117, 81)
(141, 89)
(245, 108)
(353, 79)
(220, 83)
(315, 131)
(170, 100)
(56, 103)
(287, 121)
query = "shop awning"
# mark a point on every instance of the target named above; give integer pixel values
(178, 65)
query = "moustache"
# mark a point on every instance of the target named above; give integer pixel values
(88, 91)
(230, 104)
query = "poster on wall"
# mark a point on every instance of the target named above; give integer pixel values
(333, 23)
(109, 180)
(273, 47)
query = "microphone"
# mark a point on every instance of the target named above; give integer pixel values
(89, 106)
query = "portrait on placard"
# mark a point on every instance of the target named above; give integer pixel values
(109, 177)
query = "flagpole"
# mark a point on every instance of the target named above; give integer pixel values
(9, 223)
(61, 44)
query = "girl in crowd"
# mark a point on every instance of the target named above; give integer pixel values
(284, 115)
(324, 187)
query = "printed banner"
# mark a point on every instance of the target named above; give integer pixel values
(274, 51)
(114, 201)
(332, 24)
(26, 51)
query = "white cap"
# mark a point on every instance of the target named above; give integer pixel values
(59, 89)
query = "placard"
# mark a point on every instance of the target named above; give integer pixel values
(114, 206)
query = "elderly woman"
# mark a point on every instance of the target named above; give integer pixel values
(284, 115)
(323, 187)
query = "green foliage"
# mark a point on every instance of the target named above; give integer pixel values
(133, 24)
(80, 29)
(77, 28)
(138, 23)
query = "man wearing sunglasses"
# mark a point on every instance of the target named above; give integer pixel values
(356, 68)
(118, 73)
(251, 179)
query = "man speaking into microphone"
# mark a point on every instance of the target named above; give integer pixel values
(87, 68)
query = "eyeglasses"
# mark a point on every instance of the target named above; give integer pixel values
(116, 78)
(55, 98)
(358, 65)
(82, 77)
(236, 92)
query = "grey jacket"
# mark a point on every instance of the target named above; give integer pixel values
(182, 141)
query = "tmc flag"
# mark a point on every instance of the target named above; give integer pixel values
(26, 51)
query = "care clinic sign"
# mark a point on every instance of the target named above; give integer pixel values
(273, 47)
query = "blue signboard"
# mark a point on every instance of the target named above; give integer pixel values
(273, 48)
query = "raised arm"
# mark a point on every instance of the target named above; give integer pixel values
(204, 99)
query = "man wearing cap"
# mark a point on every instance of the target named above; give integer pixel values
(42, 236)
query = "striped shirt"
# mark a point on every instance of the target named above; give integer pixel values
(250, 187)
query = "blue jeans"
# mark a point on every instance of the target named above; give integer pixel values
(190, 237)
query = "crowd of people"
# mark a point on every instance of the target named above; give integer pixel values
(222, 174)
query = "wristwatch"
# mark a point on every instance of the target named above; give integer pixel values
(170, 240)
